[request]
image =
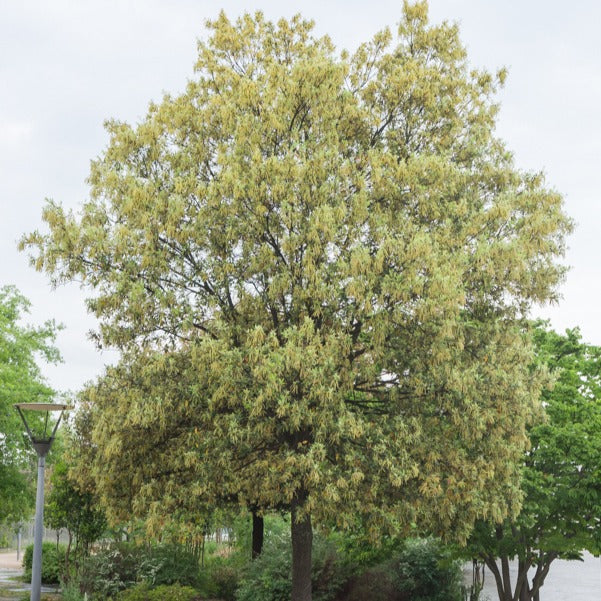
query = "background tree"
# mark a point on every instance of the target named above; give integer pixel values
(21, 347)
(346, 252)
(76, 511)
(560, 476)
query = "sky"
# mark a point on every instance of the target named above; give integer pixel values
(67, 66)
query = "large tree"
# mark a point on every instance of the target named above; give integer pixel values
(346, 253)
(21, 348)
(561, 475)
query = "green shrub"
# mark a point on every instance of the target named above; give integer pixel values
(71, 592)
(53, 562)
(421, 570)
(329, 571)
(110, 570)
(122, 565)
(268, 578)
(360, 551)
(375, 584)
(424, 571)
(221, 578)
(168, 564)
(173, 592)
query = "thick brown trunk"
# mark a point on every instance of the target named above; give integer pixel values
(302, 541)
(257, 536)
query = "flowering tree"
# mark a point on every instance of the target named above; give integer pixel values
(344, 253)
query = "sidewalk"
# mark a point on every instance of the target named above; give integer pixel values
(10, 570)
(8, 560)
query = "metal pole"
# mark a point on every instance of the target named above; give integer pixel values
(41, 446)
(36, 566)
(19, 543)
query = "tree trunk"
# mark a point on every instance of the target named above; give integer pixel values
(525, 591)
(302, 541)
(67, 553)
(506, 578)
(504, 595)
(257, 536)
(542, 570)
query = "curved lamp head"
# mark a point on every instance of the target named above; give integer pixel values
(43, 441)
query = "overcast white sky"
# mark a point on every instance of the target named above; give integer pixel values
(65, 67)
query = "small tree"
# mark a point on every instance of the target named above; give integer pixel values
(344, 253)
(560, 477)
(21, 347)
(76, 511)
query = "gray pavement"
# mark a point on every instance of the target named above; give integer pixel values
(567, 581)
(10, 585)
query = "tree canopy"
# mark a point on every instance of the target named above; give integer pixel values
(21, 347)
(560, 474)
(343, 253)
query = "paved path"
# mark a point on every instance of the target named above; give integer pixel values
(567, 581)
(10, 569)
(9, 560)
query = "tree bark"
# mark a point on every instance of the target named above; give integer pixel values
(302, 542)
(525, 591)
(257, 535)
(492, 566)
(541, 572)
(506, 578)
(67, 553)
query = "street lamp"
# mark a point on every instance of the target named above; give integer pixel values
(41, 443)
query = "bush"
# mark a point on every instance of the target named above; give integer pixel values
(173, 592)
(168, 564)
(421, 571)
(424, 571)
(375, 584)
(222, 578)
(110, 570)
(53, 562)
(70, 592)
(360, 552)
(122, 565)
(267, 578)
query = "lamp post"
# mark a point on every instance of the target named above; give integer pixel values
(41, 443)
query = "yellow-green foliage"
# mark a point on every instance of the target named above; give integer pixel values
(318, 266)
